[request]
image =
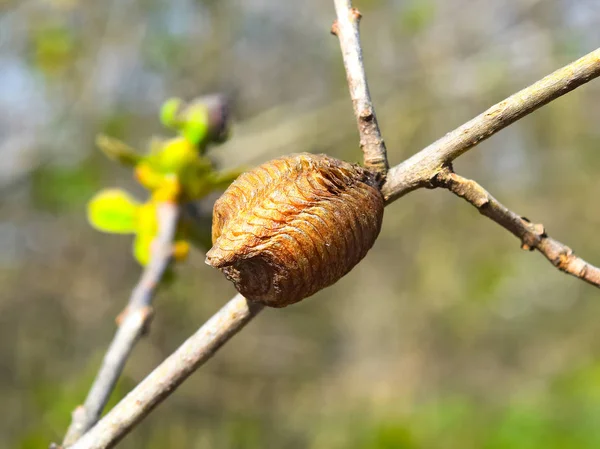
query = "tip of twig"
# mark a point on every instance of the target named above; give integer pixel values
(335, 28)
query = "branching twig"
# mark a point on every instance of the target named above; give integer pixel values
(170, 374)
(136, 319)
(420, 169)
(532, 236)
(346, 29)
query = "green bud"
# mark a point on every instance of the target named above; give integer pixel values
(200, 122)
(169, 112)
(195, 124)
(219, 117)
(173, 156)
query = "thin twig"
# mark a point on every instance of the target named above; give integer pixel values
(170, 374)
(133, 325)
(371, 142)
(532, 236)
(420, 169)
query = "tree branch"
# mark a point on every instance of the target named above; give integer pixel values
(532, 236)
(371, 142)
(419, 170)
(170, 374)
(137, 317)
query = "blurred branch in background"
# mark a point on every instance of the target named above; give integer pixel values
(176, 172)
(134, 322)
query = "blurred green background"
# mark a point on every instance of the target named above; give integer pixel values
(446, 336)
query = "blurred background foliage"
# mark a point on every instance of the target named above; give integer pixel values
(446, 336)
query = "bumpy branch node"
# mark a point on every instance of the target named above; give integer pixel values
(532, 236)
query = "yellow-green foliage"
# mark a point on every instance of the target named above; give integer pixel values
(113, 210)
(173, 170)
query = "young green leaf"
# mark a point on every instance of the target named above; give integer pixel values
(114, 211)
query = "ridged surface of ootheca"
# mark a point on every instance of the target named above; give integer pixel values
(294, 225)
